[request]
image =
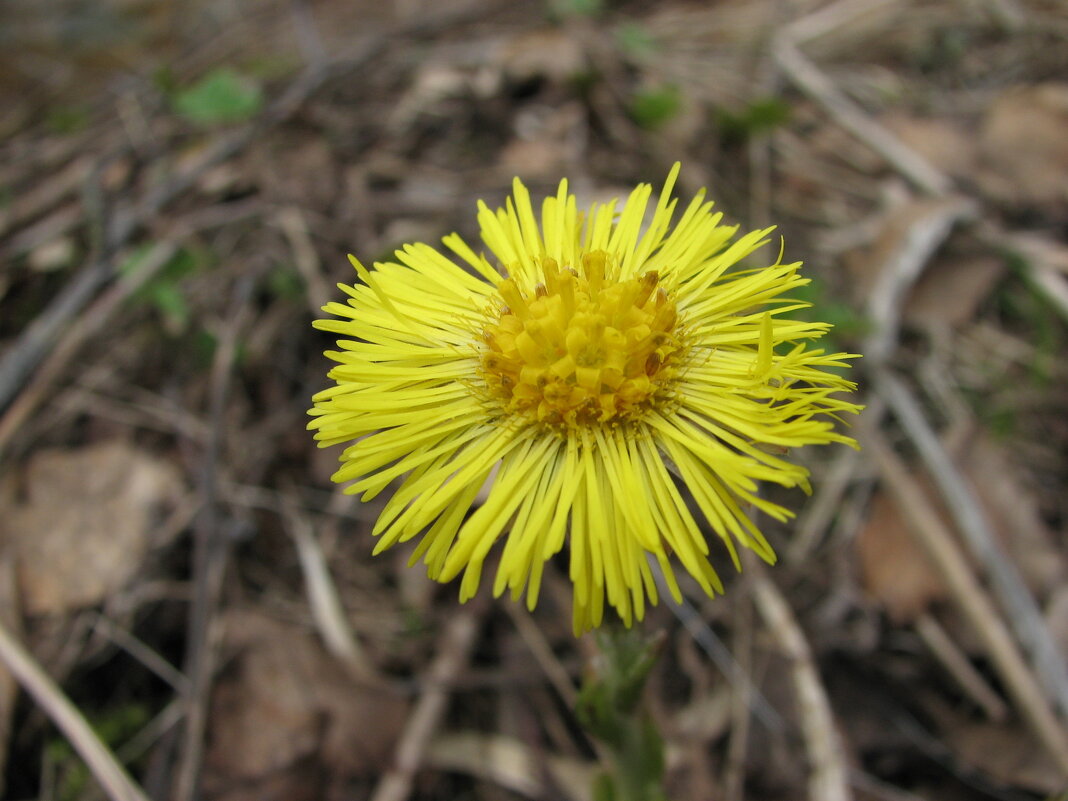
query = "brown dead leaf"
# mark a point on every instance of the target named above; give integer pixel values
(550, 53)
(548, 141)
(537, 157)
(298, 171)
(1023, 145)
(894, 569)
(943, 143)
(85, 522)
(1008, 754)
(284, 702)
(951, 290)
(1013, 512)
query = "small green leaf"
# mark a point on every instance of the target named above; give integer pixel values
(760, 116)
(651, 108)
(164, 80)
(603, 788)
(635, 40)
(284, 282)
(164, 290)
(203, 346)
(562, 9)
(219, 97)
(67, 119)
(170, 301)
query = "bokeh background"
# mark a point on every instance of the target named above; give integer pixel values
(179, 185)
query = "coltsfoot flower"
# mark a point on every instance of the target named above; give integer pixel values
(592, 376)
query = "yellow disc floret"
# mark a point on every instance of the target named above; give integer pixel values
(580, 348)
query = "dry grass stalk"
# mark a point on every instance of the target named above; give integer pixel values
(828, 780)
(1006, 583)
(453, 650)
(327, 611)
(112, 777)
(938, 542)
(956, 663)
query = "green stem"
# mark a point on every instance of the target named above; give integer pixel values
(612, 710)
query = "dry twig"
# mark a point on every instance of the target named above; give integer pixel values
(1045, 262)
(798, 68)
(511, 764)
(324, 600)
(453, 650)
(918, 243)
(715, 649)
(1007, 584)
(210, 552)
(742, 627)
(543, 653)
(67, 345)
(143, 653)
(101, 762)
(9, 617)
(924, 523)
(818, 514)
(956, 663)
(295, 227)
(828, 780)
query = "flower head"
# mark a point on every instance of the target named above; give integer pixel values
(589, 374)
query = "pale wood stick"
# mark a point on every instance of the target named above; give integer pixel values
(323, 598)
(453, 650)
(1024, 616)
(814, 83)
(113, 778)
(956, 663)
(829, 779)
(931, 533)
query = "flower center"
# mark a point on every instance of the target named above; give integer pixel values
(582, 348)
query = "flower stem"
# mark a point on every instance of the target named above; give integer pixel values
(611, 709)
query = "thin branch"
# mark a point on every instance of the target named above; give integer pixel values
(918, 243)
(803, 72)
(1007, 584)
(327, 611)
(10, 616)
(453, 651)
(210, 555)
(142, 652)
(819, 513)
(512, 764)
(715, 649)
(959, 667)
(1045, 261)
(931, 533)
(828, 780)
(113, 778)
(295, 227)
(741, 715)
(543, 654)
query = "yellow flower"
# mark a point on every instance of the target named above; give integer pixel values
(591, 376)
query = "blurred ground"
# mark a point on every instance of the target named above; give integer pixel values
(179, 185)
